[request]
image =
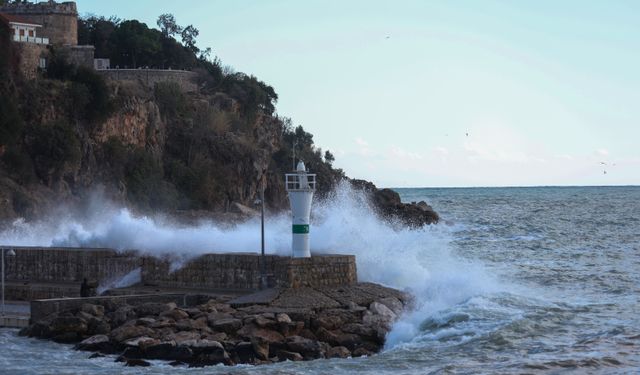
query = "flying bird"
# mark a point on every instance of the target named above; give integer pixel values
(603, 163)
(467, 134)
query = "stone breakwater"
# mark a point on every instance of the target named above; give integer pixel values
(296, 324)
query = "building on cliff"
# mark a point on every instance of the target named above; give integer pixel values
(56, 25)
(58, 21)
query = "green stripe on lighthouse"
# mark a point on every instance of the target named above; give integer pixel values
(301, 228)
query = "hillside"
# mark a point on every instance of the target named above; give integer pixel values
(70, 132)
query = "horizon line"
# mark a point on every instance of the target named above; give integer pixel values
(508, 186)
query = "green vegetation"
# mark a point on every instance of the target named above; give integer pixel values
(204, 151)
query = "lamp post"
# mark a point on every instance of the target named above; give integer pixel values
(10, 253)
(263, 272)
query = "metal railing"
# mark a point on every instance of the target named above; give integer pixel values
(300, 181)
(30, 39)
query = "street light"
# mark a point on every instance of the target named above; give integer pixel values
(10, 253)
(263, 272)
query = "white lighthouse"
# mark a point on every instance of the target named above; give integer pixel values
(300, 186)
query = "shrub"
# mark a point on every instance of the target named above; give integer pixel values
(170, 99)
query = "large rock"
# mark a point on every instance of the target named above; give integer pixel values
(378, 308)
(95, 343)
(152, 308)
(124, 333)
(229, 325)
(338, 352)
(284, 355)
(306, 347)
(68, 324)
(95, 310)
(388, 204)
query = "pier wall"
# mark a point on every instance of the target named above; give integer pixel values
(37, 272)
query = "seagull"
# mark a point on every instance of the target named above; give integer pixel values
(603, 163)
(605, 172)
(387, 37)
(467, 134)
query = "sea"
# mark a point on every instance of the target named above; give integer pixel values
(530, 280)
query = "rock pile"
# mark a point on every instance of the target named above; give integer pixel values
(298, 324)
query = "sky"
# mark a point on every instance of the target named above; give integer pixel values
(439, 93)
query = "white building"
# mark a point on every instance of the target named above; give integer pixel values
(23, 31)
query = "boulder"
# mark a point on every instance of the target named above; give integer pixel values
(96, 326)
(308, 348)
(361, 352)
(159, 350)
(123, 314)
(244, 352)
(95, 310)
(146, 321)
(68, 324)
(393, 304)
(141, 342)
(327, 322)
(124, 333)
(229, 325)
(95, 343)
(175, 314)
(284, 355)
(152, 308)
(260, 347)
(378, 308)
(338, 352)
(283, 318)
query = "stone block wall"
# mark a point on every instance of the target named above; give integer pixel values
(81, 55)
(149, 77)
(242, 271)
(59, 20)
(50, 272)
(67, 265)
(30, 54)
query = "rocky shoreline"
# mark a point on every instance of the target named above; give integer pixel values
(296, 324)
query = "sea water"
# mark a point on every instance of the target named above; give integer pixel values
(512, 280)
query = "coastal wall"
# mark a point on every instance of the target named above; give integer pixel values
(68, 265)
(149, 77)
(242, 271)
(40, 272)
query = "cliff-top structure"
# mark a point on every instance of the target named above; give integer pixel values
(59, 21)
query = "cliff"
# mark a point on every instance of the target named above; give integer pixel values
(155, 149)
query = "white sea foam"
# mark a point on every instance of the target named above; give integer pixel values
(416, 260)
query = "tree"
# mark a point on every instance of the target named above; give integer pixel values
(134, 39)
(189, 35)
(328, 157)
(167, 24)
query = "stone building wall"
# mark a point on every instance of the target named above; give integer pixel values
(149, 77)
(242, 271)
(59, 20)
(81, 55)
(30, 54)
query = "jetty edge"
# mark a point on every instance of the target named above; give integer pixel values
(269, 326)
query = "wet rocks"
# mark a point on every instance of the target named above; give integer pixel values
(347, 322)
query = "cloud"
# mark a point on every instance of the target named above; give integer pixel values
(363, 147)
(602, 152)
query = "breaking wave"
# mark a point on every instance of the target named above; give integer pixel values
(419, 261)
